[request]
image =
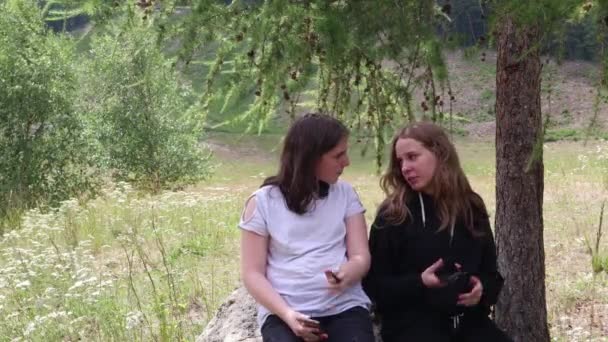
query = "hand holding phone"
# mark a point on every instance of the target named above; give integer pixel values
(332, 278)
(311, 329)
(448, 269)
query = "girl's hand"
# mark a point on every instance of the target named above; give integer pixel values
(473, 297)
(339, 281)
(429, 276)
(303, 326)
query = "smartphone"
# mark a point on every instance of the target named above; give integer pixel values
(332, 277)
(448, 269)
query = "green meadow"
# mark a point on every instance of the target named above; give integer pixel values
(130, 266)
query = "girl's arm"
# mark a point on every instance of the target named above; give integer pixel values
(254, 253)
(254, 249)
(357, 252)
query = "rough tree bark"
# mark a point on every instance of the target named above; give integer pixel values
(521, 309)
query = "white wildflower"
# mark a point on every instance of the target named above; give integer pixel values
(78, 320)
(56, 314)
(92, 279)
(76, 285)
(133, 319)
(29, 329)
(23, 284)
(105, 283)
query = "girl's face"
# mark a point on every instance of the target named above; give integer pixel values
(417, 163)
(331, 164)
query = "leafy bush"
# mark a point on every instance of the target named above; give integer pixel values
(44, 158)
(139, 113)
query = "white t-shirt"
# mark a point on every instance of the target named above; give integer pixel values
(302, 247)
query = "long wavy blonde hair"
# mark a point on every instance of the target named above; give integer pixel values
(454, 198)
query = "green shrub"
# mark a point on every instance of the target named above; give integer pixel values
(44, 155)
(139, 112)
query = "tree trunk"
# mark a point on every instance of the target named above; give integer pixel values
(521, 309)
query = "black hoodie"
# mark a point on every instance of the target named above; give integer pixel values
(400, 253)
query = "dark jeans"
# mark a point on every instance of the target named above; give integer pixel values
(352, 325)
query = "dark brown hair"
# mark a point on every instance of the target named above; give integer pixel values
(452, 192)
(307, 140)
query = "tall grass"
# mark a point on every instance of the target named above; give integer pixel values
(122, 267)
(134, 267)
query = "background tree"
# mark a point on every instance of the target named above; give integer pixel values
(44, 156)
(68, 117)
(520, 36)
(138, 110)
(363, 59)
(519, 183)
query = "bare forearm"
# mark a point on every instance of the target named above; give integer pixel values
(260, 289)
(357, 249)
(357, 265)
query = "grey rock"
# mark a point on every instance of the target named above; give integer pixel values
(235, 321)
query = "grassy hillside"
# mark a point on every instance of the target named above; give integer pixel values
(569, 95)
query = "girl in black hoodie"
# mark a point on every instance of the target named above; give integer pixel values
(433, 275)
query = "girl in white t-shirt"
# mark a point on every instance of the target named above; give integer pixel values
(304, 243)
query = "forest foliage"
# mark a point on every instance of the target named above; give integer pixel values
(93, 90)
